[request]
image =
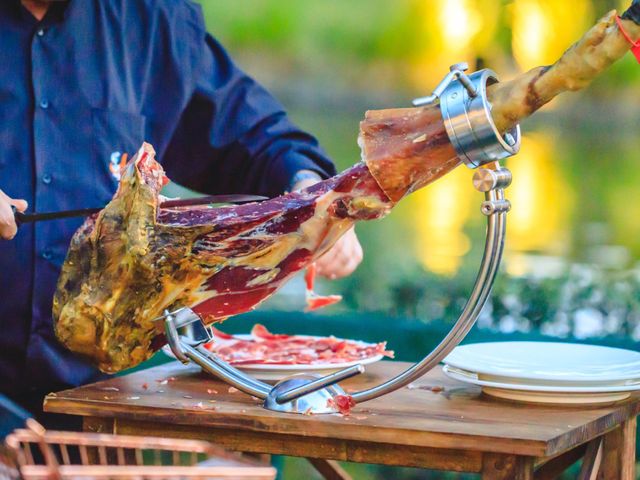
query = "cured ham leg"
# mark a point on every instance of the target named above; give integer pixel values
(133, 260)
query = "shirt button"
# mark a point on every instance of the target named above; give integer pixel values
(40, 32)
(47, 254)
(47, 179)
(44, 103)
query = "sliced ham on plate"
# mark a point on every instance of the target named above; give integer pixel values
(265, 348)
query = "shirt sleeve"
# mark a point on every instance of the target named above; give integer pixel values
(234, 137)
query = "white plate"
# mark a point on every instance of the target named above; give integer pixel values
(476, 379)
(544, 393)
(553, 362)
(556, 398)
(278, 372)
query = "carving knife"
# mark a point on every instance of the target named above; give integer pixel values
(187, 202)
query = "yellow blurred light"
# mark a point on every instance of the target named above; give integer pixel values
(540, 198)
(528, 40)
(441, 211)
(460, 21)
(450, 31)
(544, 29)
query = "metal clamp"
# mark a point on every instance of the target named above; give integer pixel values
(486, 179)
(466, 113)
(186, 335)
(456, 72)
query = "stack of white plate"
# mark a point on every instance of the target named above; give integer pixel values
(547, 372)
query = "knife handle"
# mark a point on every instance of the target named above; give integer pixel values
(18, 216)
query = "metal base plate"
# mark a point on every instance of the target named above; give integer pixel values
(313, 403)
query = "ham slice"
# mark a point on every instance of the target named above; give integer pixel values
(315, 301)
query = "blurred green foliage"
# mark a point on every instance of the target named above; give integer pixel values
(360, 30)
(372, 37)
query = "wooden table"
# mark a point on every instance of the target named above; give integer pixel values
(457, 429)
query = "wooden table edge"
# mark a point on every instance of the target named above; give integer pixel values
(627, 410)
(533, 448)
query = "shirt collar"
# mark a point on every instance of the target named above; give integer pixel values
(57, 12)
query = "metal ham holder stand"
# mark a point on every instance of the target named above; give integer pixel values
(466, 113)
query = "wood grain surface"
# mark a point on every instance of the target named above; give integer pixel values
(457, 418)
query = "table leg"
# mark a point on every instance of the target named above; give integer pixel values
(619, 453)
(506, 467)
(329, 469)
(592, 460)
(553, 468)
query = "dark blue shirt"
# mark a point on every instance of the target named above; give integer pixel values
(90, 82)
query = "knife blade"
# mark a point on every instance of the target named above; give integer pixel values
(187, 202)
(211, 199)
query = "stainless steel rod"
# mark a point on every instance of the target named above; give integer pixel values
(230, 375)
(173, 339)
(496, 226)
(320, 383)
(230, 370)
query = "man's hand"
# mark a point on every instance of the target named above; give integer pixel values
(345, 256)
(8, 227)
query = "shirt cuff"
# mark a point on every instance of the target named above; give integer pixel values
(302, 175)
(289, 169)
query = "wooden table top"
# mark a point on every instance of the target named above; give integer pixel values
(458, 417)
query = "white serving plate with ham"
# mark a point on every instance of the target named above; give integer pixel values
(272, 357)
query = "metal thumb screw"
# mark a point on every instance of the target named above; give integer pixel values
(461, 67)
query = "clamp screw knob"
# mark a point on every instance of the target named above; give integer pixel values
(461, 67)
(492, 207)
(485, 180)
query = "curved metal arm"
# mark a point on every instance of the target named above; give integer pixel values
(322, 382)
(186, 345)
(496, 226)
(226, 372)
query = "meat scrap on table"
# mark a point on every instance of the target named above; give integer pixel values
(342, 403)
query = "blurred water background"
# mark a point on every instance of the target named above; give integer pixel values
(572, 265)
